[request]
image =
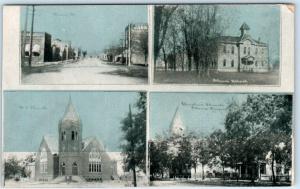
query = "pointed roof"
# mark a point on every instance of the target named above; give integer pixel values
(244, 26)
(177, 126)
(70, 112)
(52, 143)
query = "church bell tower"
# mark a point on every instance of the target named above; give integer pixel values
(70, 140)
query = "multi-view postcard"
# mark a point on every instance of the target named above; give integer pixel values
(86, 44)
(221, 139)
(74, 139)
(217, 44)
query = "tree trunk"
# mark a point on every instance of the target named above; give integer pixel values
(165, 59)
(195, 172)
(134, 176)
(223, 171)
(273, 172)
(202, 171)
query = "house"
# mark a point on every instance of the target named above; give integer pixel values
(41, 47)
(61, 50)
(242, 53)
(71, 155)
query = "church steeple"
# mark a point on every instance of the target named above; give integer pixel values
(70, 112)
(177, 127)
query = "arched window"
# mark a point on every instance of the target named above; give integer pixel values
(94, 161)
(73, 135)
(245, 49)
(74, 169)
(232, 50)
(43, 161)
(232, 63)
(63, 168)
(224, 63)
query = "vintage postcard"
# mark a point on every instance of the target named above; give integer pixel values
(221, 139)
(74, 139)
(217, 44)
(84, 44)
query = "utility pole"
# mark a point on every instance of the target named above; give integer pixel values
(31, 36)
(24, 37)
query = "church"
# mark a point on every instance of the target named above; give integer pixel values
(242, 53)
(71, 156)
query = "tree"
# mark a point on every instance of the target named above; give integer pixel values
(203, 153)
(12, 167)
(162, 15)
(134, 135)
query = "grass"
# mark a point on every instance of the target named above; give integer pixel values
(227, 78)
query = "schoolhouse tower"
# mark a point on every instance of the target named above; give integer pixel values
(70, 141)
(177, 127)
(244, 29)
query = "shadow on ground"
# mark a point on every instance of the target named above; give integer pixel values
(132, 71)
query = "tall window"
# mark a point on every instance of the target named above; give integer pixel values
(232, 63)
(248, 50)
(245, 49)
(73, 135)
(43, 161)
(94, 161)
(256, 50)
(232, 50)
(63, 135)
(224, 49)
(224, 63)
(76, 135)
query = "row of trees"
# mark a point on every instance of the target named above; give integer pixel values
(187, 33)
(15, 167)
(258, 130)
(134, 137)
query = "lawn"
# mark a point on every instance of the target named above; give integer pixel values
(218, 78)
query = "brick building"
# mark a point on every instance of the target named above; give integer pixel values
(61, 50)
(242, 53)
(71, 155)
(41, 47)
(136, 44)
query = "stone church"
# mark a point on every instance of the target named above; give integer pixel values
(242, 53)
(71, 155)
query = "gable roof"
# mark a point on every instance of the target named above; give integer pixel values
(52, 143)
(89, 140)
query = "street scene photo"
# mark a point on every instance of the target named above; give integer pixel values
(220, 139)
(217, 44)
(74, 139)
(84, 44)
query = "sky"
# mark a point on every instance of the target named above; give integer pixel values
(263, 20)
(91, 27)
(28, 116)
(201, 113)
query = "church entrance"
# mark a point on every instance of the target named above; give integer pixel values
(74, 169)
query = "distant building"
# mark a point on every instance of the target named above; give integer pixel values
(70, 155)
(242, 53)
(136, 44)
(61, 50)
(41, 47)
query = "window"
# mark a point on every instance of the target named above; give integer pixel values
(248, 50)
(73, 135)
(63, 135)
(262, 51)
(255, 63)
(94, 161)
(43, 161)
(232, 63)
(63, 168)
(245, 49)
(256, 50)
(262, 63)
(224, 49)
(76, 135)
(263, 168)
(232, 50)
(224, 63)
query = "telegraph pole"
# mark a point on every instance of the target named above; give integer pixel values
(31, 36)
(24, 34)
